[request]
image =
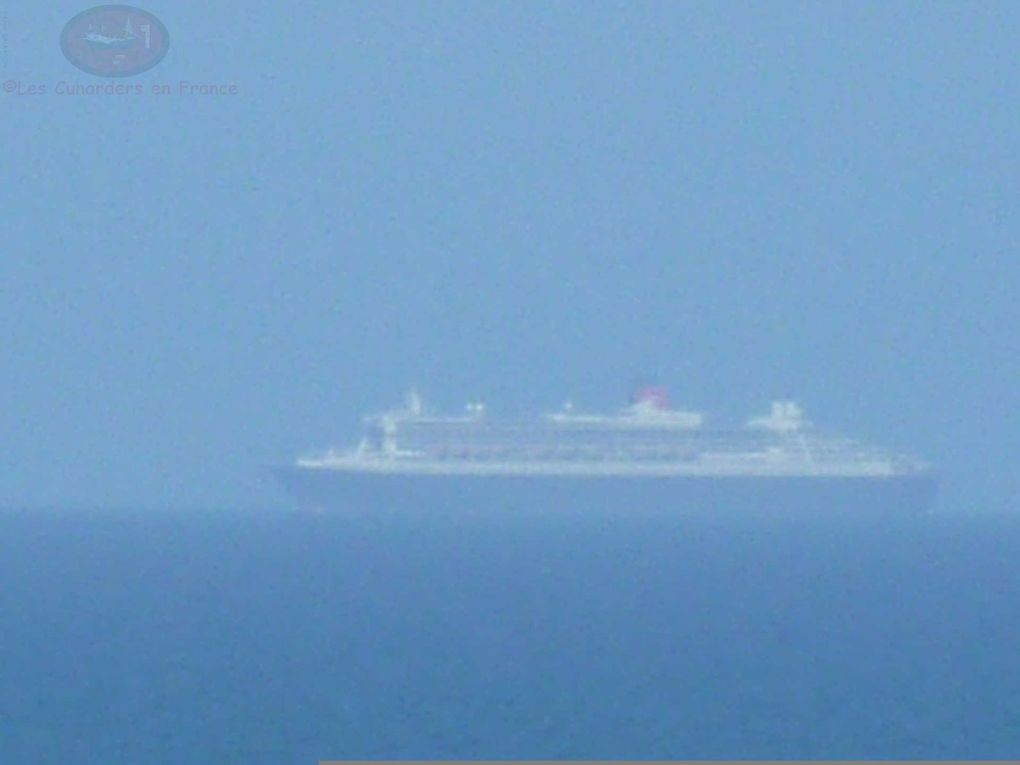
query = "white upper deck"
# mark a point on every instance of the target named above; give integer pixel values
(645, 438)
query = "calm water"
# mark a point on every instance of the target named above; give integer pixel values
(271, 637)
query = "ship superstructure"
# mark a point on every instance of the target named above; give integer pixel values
(645, 438)
(646, 454)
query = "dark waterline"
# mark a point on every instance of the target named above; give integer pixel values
(270, 636)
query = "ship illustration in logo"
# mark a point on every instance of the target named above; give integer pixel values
(115, 41)
(100, 41)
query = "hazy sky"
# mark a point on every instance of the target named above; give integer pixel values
(517, 202)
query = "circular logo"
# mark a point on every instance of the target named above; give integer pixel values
(114, 41)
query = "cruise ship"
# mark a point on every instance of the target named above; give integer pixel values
(647, 457)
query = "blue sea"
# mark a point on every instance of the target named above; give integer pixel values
(268, 636)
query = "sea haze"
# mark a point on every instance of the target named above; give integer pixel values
(278, 637)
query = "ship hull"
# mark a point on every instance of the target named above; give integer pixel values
(323, 489)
